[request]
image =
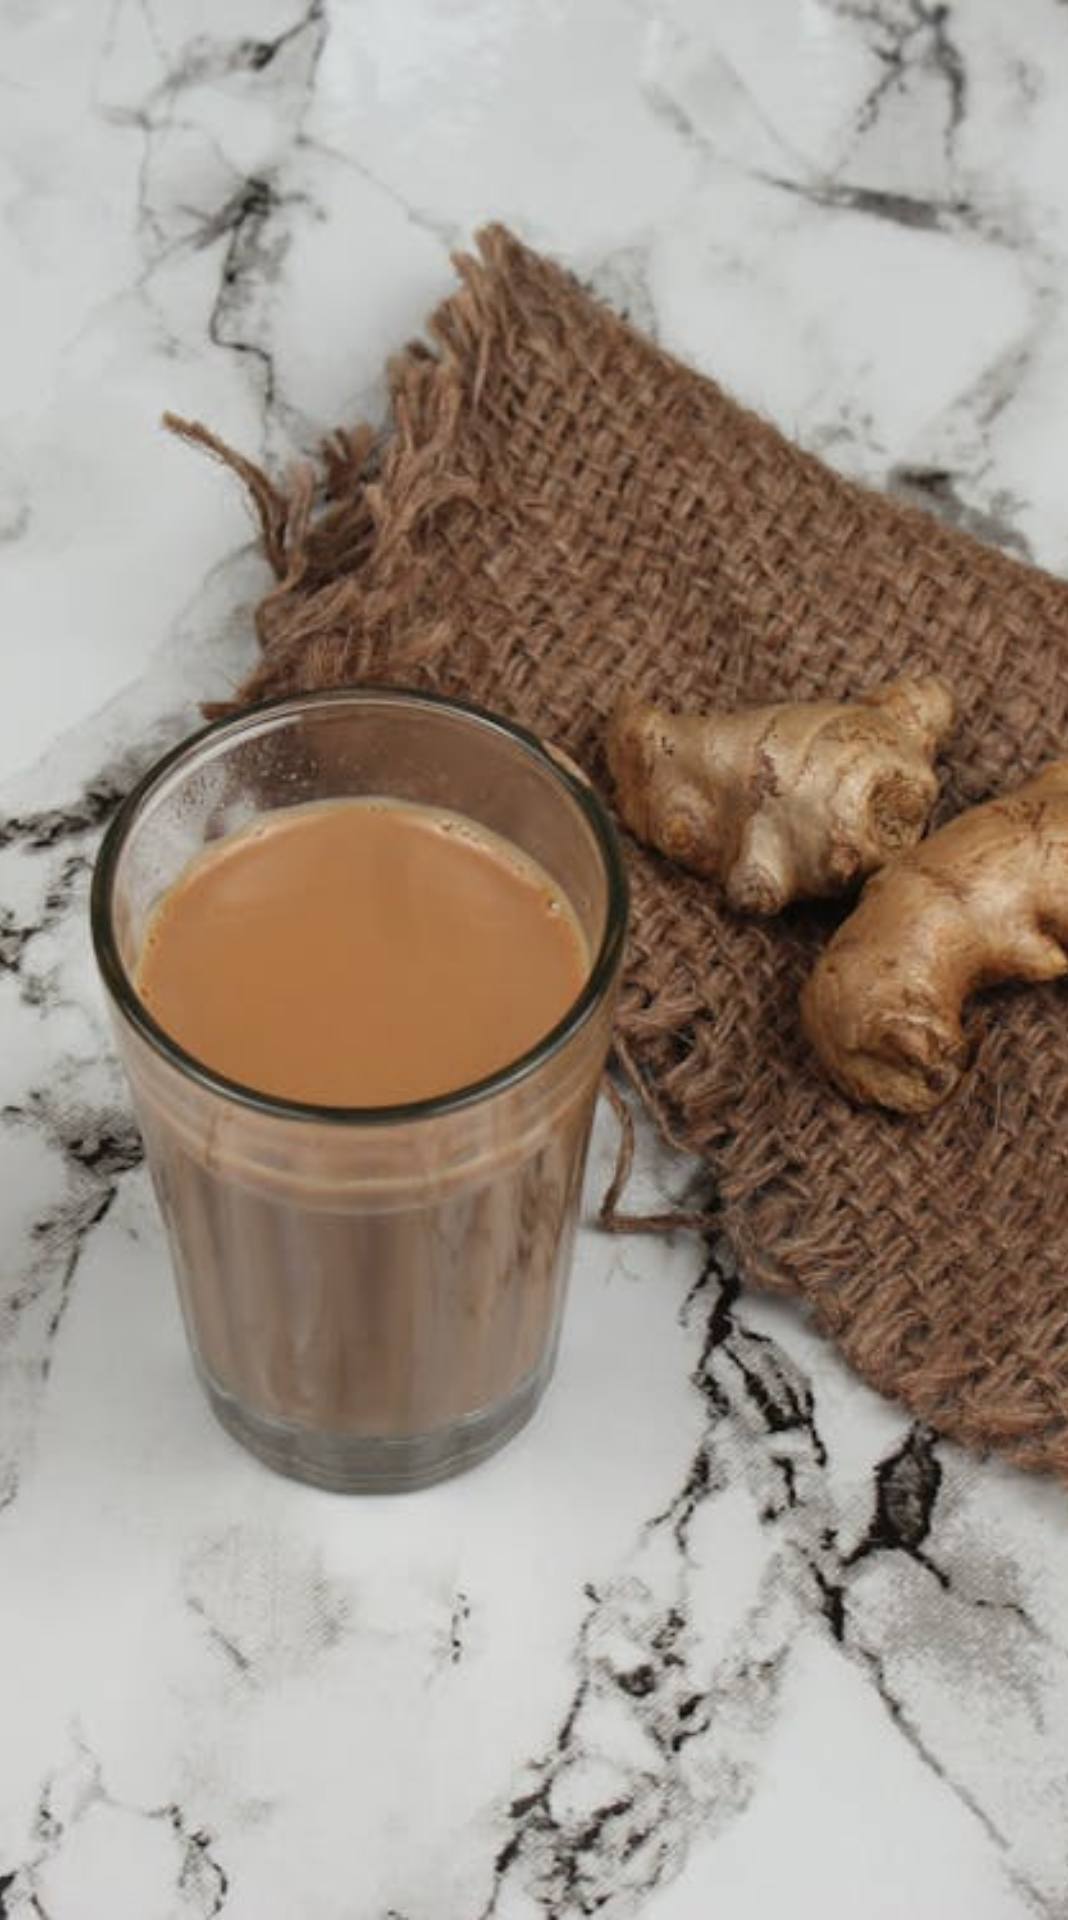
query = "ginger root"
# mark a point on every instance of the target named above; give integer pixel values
(984, 899)
(782, 802)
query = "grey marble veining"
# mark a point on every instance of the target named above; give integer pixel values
(721, 1631)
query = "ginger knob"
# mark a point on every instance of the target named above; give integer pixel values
(985, 899)
(782, 802)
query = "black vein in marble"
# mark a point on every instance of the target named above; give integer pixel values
(989, 221)
(205, 58)
(256, 239)
(905, 1721)
(938, 489)
(250, 259)
(602, 1817)
(948, 60)
(260, 54)
(268, 1613)
(87, 813)
(201, 1876)
(59, 835)
(257, 242)
(91, 1138)
(906, 1725)
(667, 108)
(598, 1827)
(226, 1644)
(98, 1146)
(69, 1795)
(449, 234)
(16, 935)
(905, 38)
(906, 1487)
(461, 1614)
(907, 1484)
(927, 215)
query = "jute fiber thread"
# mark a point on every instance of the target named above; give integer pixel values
(561, 509)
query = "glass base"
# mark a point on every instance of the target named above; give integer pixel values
(361, 1463)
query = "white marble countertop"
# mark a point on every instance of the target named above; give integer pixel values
(720, 1632)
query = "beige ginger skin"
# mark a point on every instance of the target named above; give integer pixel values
(782, 802)
(985, 899)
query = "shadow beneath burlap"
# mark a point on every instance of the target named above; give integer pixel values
(561, 510)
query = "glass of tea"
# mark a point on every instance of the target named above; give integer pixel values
(361, 950)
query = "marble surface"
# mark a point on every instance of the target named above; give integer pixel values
(721, 1632)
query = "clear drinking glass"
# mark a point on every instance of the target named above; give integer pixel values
(372, 1295)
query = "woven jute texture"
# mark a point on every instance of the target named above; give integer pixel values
(561, 510)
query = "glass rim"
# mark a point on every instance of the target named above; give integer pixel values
(124, 993)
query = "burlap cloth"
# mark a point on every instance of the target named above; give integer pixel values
(560, 510)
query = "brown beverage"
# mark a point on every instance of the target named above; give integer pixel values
(361, 953)
(372, 1290)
